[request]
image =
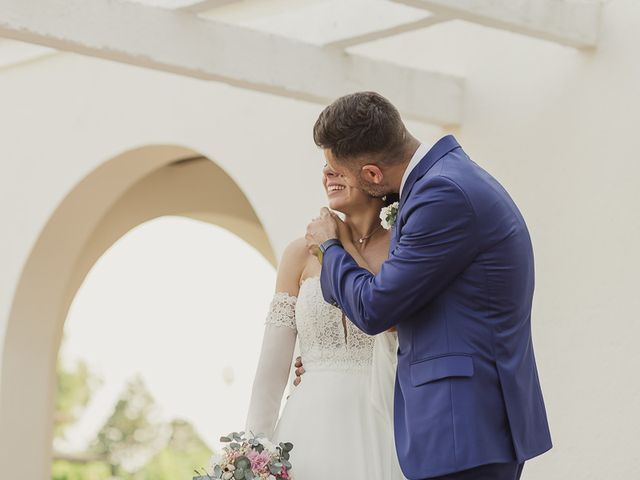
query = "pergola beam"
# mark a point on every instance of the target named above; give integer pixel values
(343, 23)
(193, 6)
(571, 23)
(199, 6)
(386, 32)
(185, 44)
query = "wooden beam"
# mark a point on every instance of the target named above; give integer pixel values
(571, 23)
(185, 44)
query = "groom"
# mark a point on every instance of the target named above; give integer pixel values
(458, 285)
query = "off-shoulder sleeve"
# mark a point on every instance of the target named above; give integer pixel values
(282, 312)
(274, 365)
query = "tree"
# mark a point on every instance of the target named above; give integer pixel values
(184, 452)
(133, 433)
(75, 387)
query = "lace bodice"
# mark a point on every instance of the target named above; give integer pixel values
(325, 341)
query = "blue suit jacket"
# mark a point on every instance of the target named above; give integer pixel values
(458, 285)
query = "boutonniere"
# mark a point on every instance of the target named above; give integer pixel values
(388, 215)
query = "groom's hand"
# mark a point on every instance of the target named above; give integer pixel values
(299, 371)
(320, 230)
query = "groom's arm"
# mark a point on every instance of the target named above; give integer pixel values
(437, 242)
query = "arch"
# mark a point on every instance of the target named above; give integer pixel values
(123, 192)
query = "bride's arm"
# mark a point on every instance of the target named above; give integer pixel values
(278, 345)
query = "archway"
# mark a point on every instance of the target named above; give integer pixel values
(130, 189)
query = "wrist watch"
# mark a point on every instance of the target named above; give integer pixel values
(324, 246)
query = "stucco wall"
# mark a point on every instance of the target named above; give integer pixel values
(556, 126)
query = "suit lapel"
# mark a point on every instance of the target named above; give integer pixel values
(439, 150)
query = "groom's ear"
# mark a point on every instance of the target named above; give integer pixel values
(372, 174)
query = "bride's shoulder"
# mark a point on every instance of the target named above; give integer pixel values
(296, 252)
(291, 266)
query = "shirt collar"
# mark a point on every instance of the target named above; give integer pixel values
(413, 163)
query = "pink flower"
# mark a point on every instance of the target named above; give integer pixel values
(284, 473)
(259, 460)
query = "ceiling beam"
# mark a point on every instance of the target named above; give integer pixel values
(14, 53)
(340, 23)
(200, 6)
(373, 35)
(193, 6)
(567, 22)
(185, 44)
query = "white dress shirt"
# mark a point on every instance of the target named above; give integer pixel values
(415, 160)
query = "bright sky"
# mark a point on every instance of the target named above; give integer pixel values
(182, 303)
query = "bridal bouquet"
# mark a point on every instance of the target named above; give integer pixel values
(249, 458)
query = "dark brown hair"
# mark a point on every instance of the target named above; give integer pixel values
(361, 123)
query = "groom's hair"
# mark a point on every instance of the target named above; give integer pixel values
(361, 123)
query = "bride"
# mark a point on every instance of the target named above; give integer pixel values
(340, 417)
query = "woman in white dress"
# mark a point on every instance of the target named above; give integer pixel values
(340, 417)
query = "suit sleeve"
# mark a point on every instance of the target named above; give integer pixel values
(438, 240)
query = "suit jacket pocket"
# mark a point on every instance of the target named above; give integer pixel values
(437, 368)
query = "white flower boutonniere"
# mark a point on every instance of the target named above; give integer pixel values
(388, 215)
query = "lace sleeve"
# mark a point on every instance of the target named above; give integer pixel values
(274, 365)
(282, 312)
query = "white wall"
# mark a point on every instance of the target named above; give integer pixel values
(556, 126)
(560, 129)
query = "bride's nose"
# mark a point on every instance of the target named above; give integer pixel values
(328, 172)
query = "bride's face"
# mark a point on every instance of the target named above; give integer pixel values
(342, 197)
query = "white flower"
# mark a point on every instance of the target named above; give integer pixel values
(266, 443)
(388, 215)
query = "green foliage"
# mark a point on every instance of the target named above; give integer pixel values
(133, 433)
(133, 444)
(74, 390)
(184, 452)
(64, 470)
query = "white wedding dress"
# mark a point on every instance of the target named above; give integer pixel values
(339, 418)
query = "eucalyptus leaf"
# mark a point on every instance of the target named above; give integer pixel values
(288, 446)
(234, 445)
(217, 471)
(225, 439)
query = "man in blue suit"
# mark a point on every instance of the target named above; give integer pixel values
(458, 286)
